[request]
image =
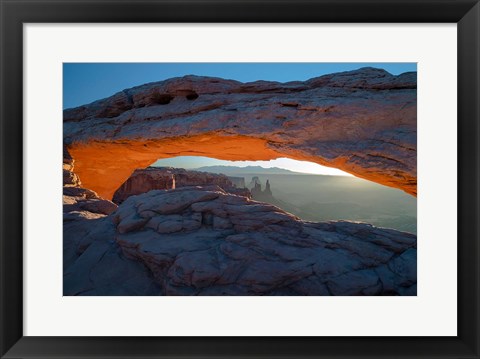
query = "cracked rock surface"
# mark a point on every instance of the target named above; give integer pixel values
(205, 241)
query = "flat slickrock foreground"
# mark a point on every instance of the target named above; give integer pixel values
(205, 241)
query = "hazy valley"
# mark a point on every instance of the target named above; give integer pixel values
(323, 198)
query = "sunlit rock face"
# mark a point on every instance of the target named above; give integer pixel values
(205, 241)
(77, 200)
(362, 122)
(144, 180)
(82, 208)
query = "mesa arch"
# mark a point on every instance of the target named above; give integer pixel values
(362, 122)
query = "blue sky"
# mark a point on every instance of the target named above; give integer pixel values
(87, 82)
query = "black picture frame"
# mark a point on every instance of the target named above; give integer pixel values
(14, 13)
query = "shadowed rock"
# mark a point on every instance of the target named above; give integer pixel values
(205, 241)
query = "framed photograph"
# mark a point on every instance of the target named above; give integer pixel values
(240, 179)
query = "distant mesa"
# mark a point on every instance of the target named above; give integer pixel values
(154, 178)
(238, 182)
(144, 180)
(245, 170)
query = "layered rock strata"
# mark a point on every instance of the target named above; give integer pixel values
(77, 199)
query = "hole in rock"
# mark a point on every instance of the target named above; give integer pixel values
(161, 99)
(192, 96)
(188, 94)
(308, 190)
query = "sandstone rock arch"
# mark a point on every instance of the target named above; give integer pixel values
(362, 122)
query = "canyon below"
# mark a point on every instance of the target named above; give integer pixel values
(316, 197)
(131, 229)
